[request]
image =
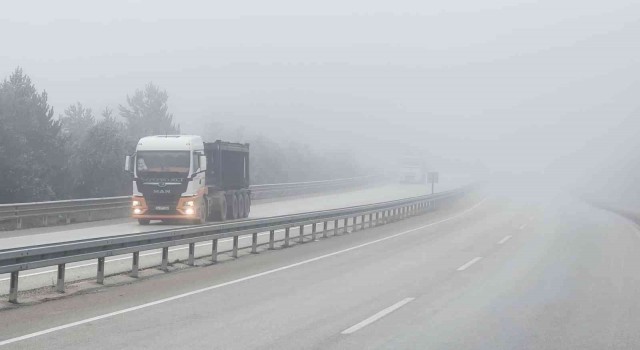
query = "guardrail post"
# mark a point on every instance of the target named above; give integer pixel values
(335, 228)
(134, 264)
(100, 273)
(235, 246)
(362, 222)
(214, 250)
(301, 237)
(355, 223)
(254, 243)
(19, 224)
(313, 231)
(67, 219)
(286, 237)
(60, 282)
(192, 254)
(370, 220)
(272, 238)
(346, 225)
(13, 287)
(45, 220)
(165, 259)
(324, 230)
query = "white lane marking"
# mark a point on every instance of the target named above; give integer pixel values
(239, 280)
(523, 226)
(127, 257)
(506, 238)
(471, 262)
(377, 316)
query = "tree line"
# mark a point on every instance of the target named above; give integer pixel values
(79, 154)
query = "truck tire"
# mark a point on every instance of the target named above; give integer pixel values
(241, 213)
(219, 208)
(232, 207)
(144, 221)
(202, 214)
(247, 204)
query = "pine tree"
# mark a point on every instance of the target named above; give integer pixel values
(147, 113)
(100, 164)
(31, 149)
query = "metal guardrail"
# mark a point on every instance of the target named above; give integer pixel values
(66, 208)
(19, 259)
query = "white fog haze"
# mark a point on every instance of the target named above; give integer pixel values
(337, 174)
(513, 85)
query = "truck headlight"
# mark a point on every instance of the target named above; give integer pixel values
(189, 204)
(136, 203)
(137, 211)
(189, 211)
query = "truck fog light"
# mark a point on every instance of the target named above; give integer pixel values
(137, 211)
(189, 211)
(136, 203)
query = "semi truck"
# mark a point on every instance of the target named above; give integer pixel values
(182, 178)
(412, 170)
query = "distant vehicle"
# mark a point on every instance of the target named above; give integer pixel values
(180, 177)
(412, 170)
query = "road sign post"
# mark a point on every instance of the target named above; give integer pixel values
(432, 178)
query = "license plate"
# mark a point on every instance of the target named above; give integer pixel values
(164, 207)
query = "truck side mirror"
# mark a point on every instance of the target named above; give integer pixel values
(203, 162)
(127, 164)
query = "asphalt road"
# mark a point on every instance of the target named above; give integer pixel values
(494, 273)
(259, 209)
(43, 277)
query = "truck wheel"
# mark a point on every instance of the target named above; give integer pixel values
(232, 208)
(240, 205)
(202, 214)
(247, 205)
(219, 209)
(144, 221)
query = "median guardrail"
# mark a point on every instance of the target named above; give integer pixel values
(93, 209)
(333, 221)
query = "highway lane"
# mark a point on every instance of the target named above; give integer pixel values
(260, 208)
(264, 208)
(43, 277)
(304, 280)
(565, 278)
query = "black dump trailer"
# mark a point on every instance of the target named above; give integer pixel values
(227, 179)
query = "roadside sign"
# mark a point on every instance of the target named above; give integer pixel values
(432, 177)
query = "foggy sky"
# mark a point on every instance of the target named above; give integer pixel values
(512, 84)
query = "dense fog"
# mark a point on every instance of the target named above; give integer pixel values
(545, 89)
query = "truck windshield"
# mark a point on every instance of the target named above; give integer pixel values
(169, 163)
